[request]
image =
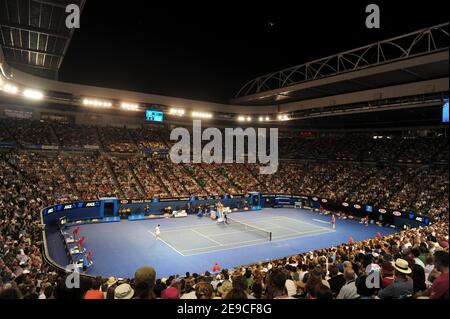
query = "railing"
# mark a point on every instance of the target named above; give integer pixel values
(413, 44)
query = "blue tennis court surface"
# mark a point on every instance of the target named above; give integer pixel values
(193, 244)
(194, 240)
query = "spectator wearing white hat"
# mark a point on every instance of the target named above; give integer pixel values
(403, 286)
(123, 291)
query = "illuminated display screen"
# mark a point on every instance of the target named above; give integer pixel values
(445, 111)
(154, 116)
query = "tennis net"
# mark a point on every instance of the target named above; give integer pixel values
(246, 227)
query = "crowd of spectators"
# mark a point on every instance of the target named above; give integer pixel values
(76, 136)
(117, 139)
(28, 132)
(31, 180)
(412, 264)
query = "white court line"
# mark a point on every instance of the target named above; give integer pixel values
(207, 237)
(321, 221)
(214, 223)
(167, 243)
(291, 229)
(302, 222)
(259, 243)
(238, 244)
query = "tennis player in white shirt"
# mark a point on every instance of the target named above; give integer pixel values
(157, 232)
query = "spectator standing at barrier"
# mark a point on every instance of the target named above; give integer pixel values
(333, 221)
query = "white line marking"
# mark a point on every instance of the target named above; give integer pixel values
(207, 237)
(291, 229)
(321, 221)
(260, 243)
(167, 243)
(284, 237)
(302, 222)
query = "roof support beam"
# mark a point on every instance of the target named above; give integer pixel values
(32, 29)
(31, 66)
(50, 3)
(32, 51)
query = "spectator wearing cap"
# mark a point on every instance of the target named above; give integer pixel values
(123, 291)
(402, 287)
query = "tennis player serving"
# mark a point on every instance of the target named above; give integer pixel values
(157, 232)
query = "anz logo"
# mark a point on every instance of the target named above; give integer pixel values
(70, 206)
(90, 204)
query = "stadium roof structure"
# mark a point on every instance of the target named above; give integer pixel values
(34, 36)
(417, 56)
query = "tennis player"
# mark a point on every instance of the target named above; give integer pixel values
(333, 221)
(157, 232)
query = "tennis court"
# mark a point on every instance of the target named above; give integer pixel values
(193, 240)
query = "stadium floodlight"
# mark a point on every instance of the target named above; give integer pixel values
(267, 118)
(33, 94)
(97, 103)
(201, 115)
(241, 118)
(129, 106)
(177, 112)
(283, 117)
(249, 119)
(10, 89)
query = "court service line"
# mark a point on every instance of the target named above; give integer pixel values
(321, 221)
(300, 221)
(167, 244)
(283, 227)
(172, 229)
(260, 241)
(207, 237)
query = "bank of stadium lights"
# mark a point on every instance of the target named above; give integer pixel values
(283, 117)
(10, 89)
(201, 115)
(97, 103)
(262, 119)
(129, 106)
(177, 112)
(33, 94)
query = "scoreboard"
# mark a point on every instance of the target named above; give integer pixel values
(154, 116)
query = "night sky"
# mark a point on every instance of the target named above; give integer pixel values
(208, 51)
